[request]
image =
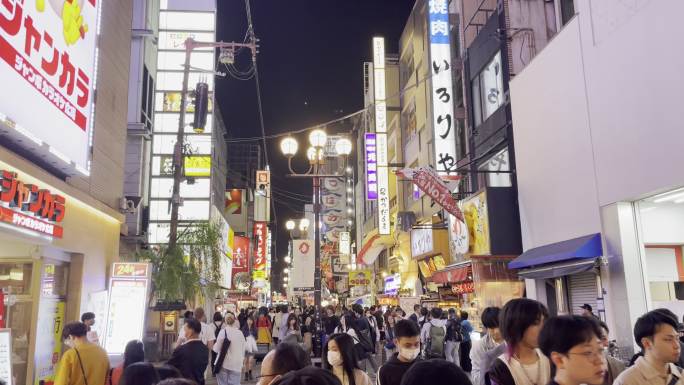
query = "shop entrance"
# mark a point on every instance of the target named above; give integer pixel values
(662, 239)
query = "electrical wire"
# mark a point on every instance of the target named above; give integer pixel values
(369, 108)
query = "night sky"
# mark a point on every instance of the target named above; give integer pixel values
(311, 71)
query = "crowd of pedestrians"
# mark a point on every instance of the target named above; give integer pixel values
(521, 344)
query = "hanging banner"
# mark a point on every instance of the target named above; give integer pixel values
(433, 186)
(241, 248)
(335, 185)
(303, 265)
(458, 239)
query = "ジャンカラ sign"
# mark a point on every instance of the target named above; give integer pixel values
(30, 207)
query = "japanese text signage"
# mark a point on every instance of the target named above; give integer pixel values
(345, 243)
(421, 242)
(29, 206)
(392, 284)
(442, 99)
(260, 233)
(381, 135)
(49, 54)
(371, 167)
(432, 184)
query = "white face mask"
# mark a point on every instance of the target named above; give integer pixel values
(409, 354)
(334, 358)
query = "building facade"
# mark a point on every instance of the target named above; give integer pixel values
(62, 160)
(597, 158)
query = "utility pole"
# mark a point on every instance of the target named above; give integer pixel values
(176, 200)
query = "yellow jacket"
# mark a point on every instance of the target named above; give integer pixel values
(95, 365)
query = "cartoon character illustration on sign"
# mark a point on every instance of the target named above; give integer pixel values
(72, 21)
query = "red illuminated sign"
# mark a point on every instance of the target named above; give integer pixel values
(30, 207)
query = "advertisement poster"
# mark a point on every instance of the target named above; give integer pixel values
(233, 203)
(127, 303)
(360, 278)
(97, 303)
(458, 238)
(6, 356)
(477, 219)
(429, 266)
(241, 279)
(48, 339)
(303, 265)
(48, 57)
(259, 265)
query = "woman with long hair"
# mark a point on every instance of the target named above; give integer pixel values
(521, 320)
(339, 355)
(294, 332)
(250, 333)
(140, 373)
(390, 347)
(134, 352)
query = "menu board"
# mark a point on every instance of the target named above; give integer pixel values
(48, 339)
(127, 306)
(6, 356)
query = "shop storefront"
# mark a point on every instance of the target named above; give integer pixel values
(569, 273)
(430, 251)
(57, 244)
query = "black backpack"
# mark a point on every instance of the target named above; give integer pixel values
(217, 330)
(456, 334)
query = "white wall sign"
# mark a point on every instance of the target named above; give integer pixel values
(303, 265)
(345, 243)
(381, 135)
(50, 66)
(421, 242)
(443, 122)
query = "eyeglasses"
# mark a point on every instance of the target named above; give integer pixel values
(594, 355)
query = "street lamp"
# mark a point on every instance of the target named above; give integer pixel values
(303, 224)
(290, 225)
(286, 271)
(315, 154)
(288, 259)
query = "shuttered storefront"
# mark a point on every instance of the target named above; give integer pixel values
(581, 290)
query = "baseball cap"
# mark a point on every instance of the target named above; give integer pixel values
(586, 306)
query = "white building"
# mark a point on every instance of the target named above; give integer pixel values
(598, 134)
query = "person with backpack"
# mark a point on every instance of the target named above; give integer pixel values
(466, 345)
(231, 347)
(454, 337)
(366, 339)
(433, 335)
(214, 329)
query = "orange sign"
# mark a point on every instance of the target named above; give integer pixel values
(129, 270)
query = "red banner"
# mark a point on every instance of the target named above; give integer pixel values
(260, 235)
(432, 184)
(240, 255)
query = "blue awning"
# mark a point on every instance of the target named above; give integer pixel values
(587, 247)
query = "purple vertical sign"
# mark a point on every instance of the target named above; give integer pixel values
(371, 167)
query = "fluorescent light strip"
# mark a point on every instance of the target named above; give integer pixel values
(28, 134)
(60, 155)
(670, 196)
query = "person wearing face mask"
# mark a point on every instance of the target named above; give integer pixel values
(192, 357)
(578, 356)
(407, 341)
(338, 355)
(523, 363)
(231, 364)
(84, 363)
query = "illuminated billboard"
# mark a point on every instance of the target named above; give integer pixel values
(381, 135)
(49, 64)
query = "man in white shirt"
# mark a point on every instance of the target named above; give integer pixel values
(207, 336)
(231, 367)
